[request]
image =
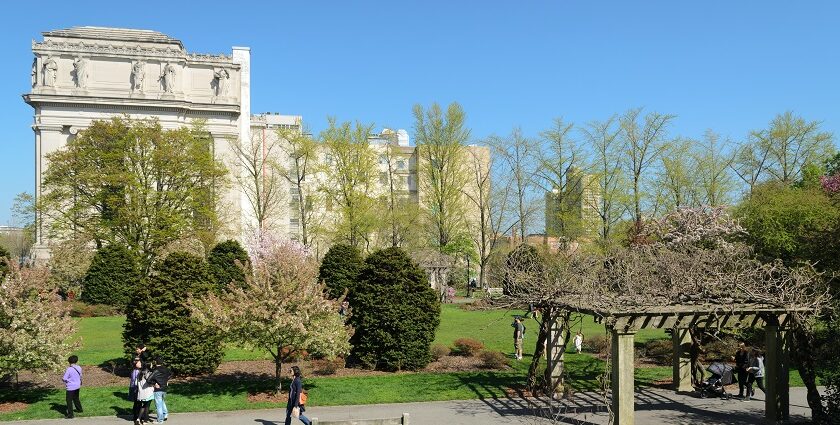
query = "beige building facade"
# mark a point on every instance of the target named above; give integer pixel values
(83, 74)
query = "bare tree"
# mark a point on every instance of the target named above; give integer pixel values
(259, 177)
(519, 154)
(750, 162)
(792, 143)
(491, 204)
(645, 139)
(302, 151)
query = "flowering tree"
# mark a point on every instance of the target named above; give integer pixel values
(34, 324)
(281, 308)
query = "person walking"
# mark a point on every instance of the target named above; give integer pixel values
(145, 394)
(741, 364)
(159, 379)
(698, 373)
(518, 334)
(73, 383)
(756, 373)
(133, 385)
(579, 342)
(296, 406)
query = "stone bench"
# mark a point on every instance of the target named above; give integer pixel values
(402, 420)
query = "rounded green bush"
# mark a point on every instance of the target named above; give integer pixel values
(158, 316)
(395, 313)
(339, 269)
(226, 261)
(112, 276)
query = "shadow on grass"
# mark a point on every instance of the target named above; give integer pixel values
(117, 366)
(24, 393)
(227, 384)
(122, 411)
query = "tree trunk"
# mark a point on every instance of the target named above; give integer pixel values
(278, 370)
(539, 350)
(805, 357)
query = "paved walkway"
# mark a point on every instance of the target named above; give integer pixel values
(653, 406)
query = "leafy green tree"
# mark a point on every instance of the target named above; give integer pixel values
(112, 277)
(441, 142)
(395, 313)
(348, 182)
(226, 261)
(340, 269)
(159, 316)
(793, 224)
(132, 182)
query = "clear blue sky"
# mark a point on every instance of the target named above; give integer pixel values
(726, 65)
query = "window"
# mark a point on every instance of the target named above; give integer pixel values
(401, 164)
(328, 159)
(383, 159)
(383, 178)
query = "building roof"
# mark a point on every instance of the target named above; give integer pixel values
(121, 34)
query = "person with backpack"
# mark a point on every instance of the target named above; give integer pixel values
(297, 399)
(145, 395)
(73, 383)
(159, 379)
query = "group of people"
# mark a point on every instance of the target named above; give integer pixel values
(749, 365)
(519, 334)
(148, 381)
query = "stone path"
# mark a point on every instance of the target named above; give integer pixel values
(653, 406)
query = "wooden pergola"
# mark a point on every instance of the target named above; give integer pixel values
(623, 323)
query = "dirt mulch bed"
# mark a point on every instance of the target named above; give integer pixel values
(12, 406)
(269, 397)
(260, 370)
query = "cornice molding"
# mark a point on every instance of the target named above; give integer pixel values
(97, 102)
(138, 51)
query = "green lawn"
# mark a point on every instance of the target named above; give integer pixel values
(101, 341)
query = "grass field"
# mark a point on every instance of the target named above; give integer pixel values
(101, 341)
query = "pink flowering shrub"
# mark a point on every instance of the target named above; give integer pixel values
(830, 184)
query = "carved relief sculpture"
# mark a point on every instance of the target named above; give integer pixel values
(34, 73)
(81, 72)
(221, 76)
(50, 72)
(138, 74)
(168, 78)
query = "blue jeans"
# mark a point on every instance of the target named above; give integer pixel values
(160, 406)
(302, 418)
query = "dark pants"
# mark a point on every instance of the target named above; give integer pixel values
(743, 376)
(759, 382)
(72, 398)
(303, 419)
(143, 411)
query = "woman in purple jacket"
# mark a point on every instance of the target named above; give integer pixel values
(73, 382)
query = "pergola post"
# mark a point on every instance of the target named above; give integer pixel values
(681, 340)
(622, 377)
(556, 347)
(776, 373)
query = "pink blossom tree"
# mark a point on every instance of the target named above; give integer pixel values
(34, 323)
(282, 308)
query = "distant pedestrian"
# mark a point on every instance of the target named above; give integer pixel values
(698, 373)
(518, 335)
(296, 405)
(145, 395)
(133, 385)
(579, 342)
(344, 309)
(756, 373)
(144, 354)
(741, 364)
(160, 379)
(73, 382)
(450, 294)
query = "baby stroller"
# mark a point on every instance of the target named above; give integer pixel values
(722, 374)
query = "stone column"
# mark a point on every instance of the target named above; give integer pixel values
(48, 139)
(622, 377)
(681, 339)
(776, 373)
(556, 348)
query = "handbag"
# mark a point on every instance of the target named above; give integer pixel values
(303, 398)
(296, 412)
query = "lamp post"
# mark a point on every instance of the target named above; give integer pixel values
(469, 283)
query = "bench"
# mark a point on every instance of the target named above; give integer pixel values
(495, 292)
(402, 420)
